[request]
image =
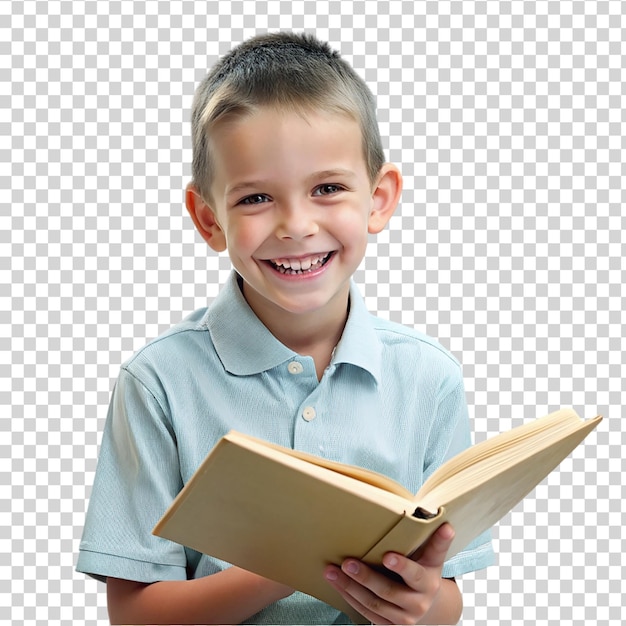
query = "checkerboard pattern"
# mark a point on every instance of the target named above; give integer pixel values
(507, 120)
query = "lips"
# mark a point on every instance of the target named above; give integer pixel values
(300, 265)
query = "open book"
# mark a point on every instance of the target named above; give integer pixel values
(285, 514)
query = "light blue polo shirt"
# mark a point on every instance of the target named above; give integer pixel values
(391, 400)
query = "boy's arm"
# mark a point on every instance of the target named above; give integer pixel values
(227, 597)
(418, 595)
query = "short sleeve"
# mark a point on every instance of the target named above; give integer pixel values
(137, 477)
(450, 436)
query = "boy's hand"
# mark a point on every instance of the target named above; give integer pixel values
(412, 595)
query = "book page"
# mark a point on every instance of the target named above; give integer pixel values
(352, 471)
(493, 456)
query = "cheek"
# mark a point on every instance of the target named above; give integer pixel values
(245, 235)
(351, 224)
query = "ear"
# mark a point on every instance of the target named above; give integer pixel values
(385, 198)
(204, 218)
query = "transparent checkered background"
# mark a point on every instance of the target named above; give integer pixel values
(507, 120)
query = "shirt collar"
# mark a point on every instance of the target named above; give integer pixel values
(359, 344)
(245, 346)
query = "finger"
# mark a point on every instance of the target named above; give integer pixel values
(348, 581)
(436, 548)
(417, 578)
(383, 595)
(404, 568)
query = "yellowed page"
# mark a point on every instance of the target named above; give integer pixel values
(501, 449)
(353, 471)
(479, 502)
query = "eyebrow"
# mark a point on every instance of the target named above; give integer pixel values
(332, 173)
(260, 183)
(244, 185)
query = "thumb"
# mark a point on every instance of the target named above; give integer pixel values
(436, 548)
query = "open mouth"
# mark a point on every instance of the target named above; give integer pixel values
(300, 266)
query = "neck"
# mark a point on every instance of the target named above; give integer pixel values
(313, 333)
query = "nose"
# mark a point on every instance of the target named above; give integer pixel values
(296, 222)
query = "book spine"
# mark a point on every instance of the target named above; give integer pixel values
(406, 536)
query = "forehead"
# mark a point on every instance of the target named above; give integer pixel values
(267, 138)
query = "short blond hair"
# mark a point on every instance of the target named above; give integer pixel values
(290, 71)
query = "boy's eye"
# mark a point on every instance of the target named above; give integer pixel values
(327, 189)
(257, 198)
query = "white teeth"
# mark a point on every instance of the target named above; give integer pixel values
(299, 265)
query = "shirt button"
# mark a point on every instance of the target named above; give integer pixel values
(309, 413)
(295, 367)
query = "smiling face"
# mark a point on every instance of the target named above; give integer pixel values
(292, 202)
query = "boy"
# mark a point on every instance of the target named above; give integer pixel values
(288, 176)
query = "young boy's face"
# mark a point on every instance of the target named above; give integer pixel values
(293, 204)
